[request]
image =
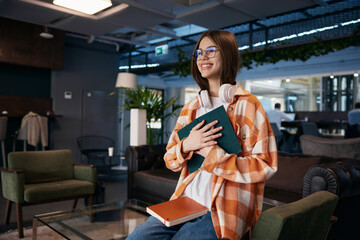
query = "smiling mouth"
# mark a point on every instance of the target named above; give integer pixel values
(206, 65)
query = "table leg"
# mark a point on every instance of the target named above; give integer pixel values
(34, 233)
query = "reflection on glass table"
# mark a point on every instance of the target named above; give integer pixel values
(105, 221)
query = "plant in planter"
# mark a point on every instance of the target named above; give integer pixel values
(156, 109)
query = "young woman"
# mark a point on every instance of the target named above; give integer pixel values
(230, 185)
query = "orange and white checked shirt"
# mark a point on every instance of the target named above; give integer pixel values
(238, 182)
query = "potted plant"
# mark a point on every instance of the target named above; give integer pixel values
(156, 109)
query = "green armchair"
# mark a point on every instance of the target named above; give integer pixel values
(45, 176)
(308, 218)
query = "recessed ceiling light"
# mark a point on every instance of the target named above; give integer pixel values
(331, 76)
(287, 80)
(356, 74)
(85, 6)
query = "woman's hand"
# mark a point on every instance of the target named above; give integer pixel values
(201, 137)
(204, 151)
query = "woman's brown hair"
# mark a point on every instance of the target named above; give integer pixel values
(226, 42)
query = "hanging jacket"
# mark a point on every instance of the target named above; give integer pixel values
(34, 129)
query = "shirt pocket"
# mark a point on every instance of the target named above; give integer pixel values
(246, 137)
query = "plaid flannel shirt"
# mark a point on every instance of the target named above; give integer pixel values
(238, 182)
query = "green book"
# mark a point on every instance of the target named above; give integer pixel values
(228, 141)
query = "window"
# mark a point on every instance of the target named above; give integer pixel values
(338, 93)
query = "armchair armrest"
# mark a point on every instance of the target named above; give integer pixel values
(341, 178)
(139, 158)
(13, 182)
(85, 172)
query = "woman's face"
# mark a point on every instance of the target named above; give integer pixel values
(209, 67)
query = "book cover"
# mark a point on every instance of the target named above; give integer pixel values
(228, 141)
(177, 211)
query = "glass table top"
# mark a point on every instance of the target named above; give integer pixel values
(106, 221)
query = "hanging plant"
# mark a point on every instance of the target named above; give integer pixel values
(303, 52)
(275, 54)
(183, 67)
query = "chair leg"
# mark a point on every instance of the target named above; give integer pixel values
(74, 204)
(19, 219)
(3, 154)
(91, 200)
(8, 212)
(91, 203)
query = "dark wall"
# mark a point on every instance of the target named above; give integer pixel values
(24, 81)
(18, 80)
(86, 67)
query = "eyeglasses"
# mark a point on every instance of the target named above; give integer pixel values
(209, 52)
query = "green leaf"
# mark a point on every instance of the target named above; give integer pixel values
(155, 106)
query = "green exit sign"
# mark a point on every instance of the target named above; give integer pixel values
(161, 50)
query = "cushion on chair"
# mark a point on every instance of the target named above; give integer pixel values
(308, 218)
(43, 166)
(46, 192)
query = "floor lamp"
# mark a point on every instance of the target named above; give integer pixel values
(124, 80)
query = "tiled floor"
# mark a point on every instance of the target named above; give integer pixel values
(115, 190)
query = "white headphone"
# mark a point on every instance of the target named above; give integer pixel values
(226, 92)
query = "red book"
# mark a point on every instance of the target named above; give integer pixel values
(177, 211)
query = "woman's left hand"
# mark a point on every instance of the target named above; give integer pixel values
(204, 151)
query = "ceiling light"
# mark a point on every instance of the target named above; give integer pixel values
(331, 76)
(287, 80)
(46, 34)
(85, 6)
(356, 74)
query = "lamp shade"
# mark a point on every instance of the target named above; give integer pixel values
(126, 80)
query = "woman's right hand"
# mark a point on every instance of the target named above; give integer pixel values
(201, 136)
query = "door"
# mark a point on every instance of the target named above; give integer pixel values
(99, 114)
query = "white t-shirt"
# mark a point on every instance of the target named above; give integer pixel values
(276, 116)
(199, 189)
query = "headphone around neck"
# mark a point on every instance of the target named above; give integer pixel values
(226, 92)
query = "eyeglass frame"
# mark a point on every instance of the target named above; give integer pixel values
(204, 53)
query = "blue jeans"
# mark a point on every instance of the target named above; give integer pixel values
(197, 229)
